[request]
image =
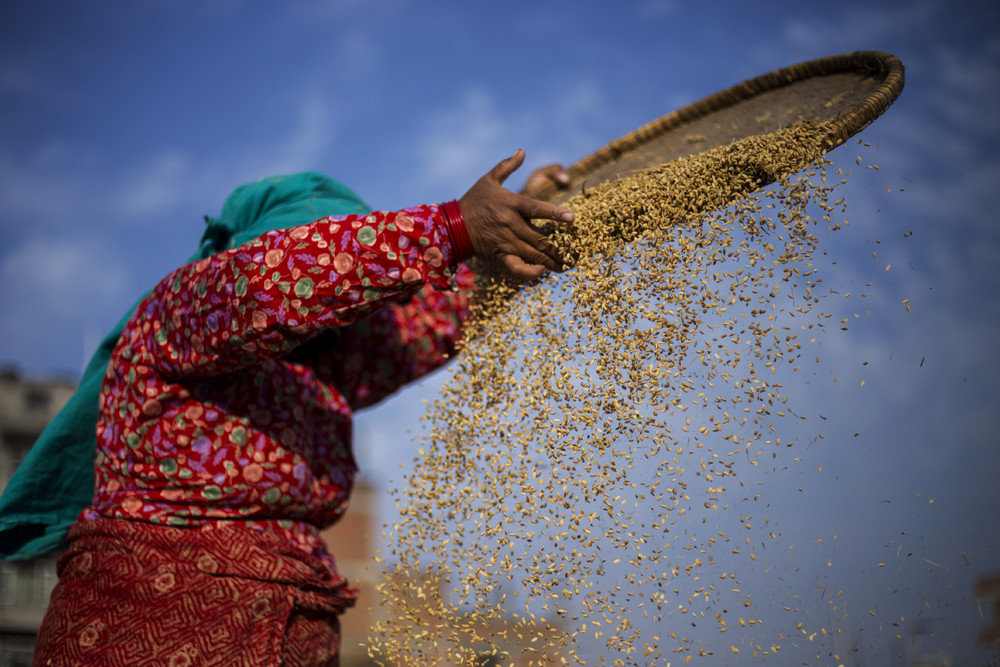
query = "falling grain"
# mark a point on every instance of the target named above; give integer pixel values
(594, 422)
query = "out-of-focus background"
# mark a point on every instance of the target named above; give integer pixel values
(124, 122)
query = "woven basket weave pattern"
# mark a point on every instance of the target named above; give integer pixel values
(847, 92)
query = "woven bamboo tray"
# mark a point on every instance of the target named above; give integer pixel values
(848, 92)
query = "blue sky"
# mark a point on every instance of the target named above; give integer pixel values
(122, 123)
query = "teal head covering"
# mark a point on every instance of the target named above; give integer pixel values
(55, 482)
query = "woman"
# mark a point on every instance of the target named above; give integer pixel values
(224, 429)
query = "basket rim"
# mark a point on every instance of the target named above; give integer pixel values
(838, 130)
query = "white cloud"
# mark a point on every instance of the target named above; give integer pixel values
(309, 139)
(575, 123)
(19, 79)
(221, 8)
(157, 186)
(45, 186)
(967, 83)
(54, 289)
(463, 141)
(359, 49)
(654, 9)
(52, 267)
(70, 209)
(58, 179)
(467, 139)
(343, 11)
(870, 27)
(306, 144)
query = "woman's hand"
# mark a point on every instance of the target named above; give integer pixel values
(543, 176)
(499, 224)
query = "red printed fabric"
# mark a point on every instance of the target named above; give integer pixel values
(231, 392)
(134, 593)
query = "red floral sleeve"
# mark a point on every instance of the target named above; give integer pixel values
(371, 359)
(263, 299)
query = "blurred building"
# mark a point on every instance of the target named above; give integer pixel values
(25, 408)
(988, 590)
(351, 542)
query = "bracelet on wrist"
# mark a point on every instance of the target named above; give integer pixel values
(459, 233)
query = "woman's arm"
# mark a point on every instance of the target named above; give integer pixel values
(267, 297)
(375, 357)
(263, 299)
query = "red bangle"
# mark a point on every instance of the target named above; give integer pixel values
(455, 223)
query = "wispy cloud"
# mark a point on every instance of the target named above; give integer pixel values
(33, 195)
(309, 139)
(52, 288)
(49, 270)
(461, 142)
(868, 29)
(966, 82)
(71, 216)
(156, 187)
(656, 8)
(466, 139)
(346, 10)
(19, 79)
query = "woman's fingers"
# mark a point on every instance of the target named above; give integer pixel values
(520, 270)
(500, 223)
(533, 247)
(507, 166)
(533, 209)
(534, 241)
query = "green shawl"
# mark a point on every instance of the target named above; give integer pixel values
(56, 479)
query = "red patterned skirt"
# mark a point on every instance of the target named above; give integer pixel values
(132, 593)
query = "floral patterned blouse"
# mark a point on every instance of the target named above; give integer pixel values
(231, 392)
